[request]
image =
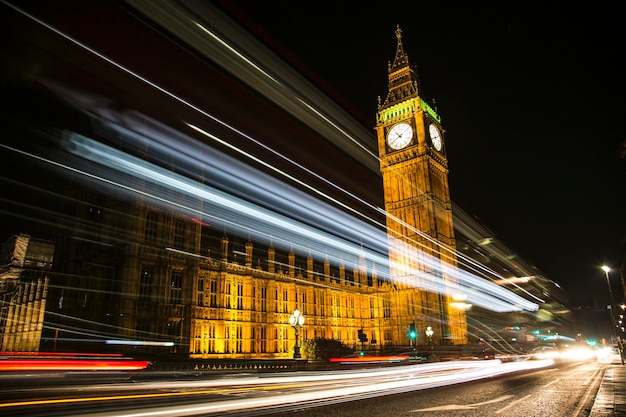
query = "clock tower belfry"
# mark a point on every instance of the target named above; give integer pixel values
(418, 210)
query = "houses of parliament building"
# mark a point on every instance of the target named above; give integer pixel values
(143, 277)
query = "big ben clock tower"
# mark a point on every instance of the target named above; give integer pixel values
(419, 211)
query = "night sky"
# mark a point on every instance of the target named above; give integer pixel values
(531, 98)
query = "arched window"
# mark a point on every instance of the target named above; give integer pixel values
(150, 233)
(176, 287)
(179, 234)
(145, 282)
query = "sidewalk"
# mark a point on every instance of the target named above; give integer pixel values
(611, 398)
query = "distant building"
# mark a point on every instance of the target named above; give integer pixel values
(24, 276)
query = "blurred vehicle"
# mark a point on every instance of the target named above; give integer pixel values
(544, 352)
(578, 352)
(609, 354)
(566, 352)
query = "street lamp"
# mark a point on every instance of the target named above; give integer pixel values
(429, 334)
(606, 270)
(296, 321)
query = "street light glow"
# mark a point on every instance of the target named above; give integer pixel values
(296, 321)
(618, 338)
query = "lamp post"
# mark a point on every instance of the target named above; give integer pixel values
(606, 270)
(296, 321)
(429, 334)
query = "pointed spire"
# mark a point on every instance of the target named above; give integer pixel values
(292, 262)
(271, 257)
(224, 247)
(249, 248)
(403, 80)
(401, 58)
(309, 266)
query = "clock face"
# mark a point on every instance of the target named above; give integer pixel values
(399, 136)
(435, 136)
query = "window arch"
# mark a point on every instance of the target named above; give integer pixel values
(150, 231)
(180, 231)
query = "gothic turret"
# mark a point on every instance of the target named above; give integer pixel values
(403, 80)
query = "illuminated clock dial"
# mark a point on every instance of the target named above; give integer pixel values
(435, 137)
(399, 136)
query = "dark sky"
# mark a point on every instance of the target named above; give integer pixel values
(531, 97)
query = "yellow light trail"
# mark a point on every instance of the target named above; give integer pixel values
(140, 396)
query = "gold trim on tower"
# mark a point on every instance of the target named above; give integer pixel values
(418, 206)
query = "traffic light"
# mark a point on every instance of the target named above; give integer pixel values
(362, 336)
(412, 331)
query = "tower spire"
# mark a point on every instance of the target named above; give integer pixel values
(401, 59)
(402, 78)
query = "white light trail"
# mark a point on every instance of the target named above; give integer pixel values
(234, 51)
(137, 343)
(245, 218)
(414, 378)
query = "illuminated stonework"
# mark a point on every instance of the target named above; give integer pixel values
(418, 206)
